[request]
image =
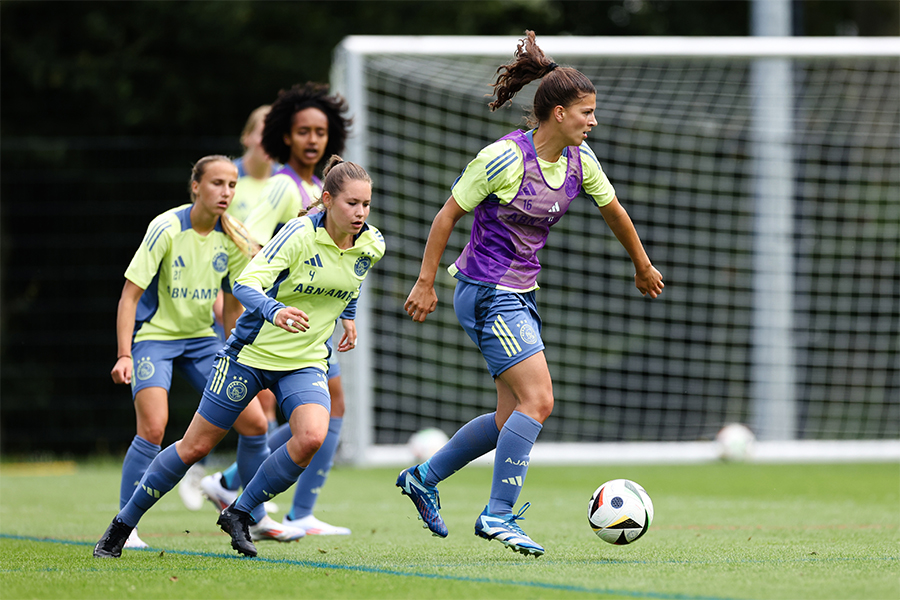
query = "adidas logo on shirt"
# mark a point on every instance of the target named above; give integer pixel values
(528, 190)
(517, 480)
(554, 208)
(179, 262)
(315, 261)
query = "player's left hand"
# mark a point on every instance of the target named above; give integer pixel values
(649, 282)
(348, 340)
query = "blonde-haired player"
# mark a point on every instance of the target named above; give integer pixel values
(164, 320)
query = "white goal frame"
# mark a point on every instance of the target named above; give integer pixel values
(348, 79)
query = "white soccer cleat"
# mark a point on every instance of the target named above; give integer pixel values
(212, 488)
(270, 529)
(314, 526)
(134, 542)
(270, 507)
(189, 487)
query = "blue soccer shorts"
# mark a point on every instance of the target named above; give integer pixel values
(232, 385)
(154, 361)
(504, 325)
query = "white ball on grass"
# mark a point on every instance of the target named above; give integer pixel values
(425, 442)
(735, 442)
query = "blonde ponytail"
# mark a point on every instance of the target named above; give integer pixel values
(239, 234)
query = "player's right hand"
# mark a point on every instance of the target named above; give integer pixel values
(291, 319)
(121, 372)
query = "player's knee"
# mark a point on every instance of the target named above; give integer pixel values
(195, 451)
(152, 432)
(256, 426)
(544, 408)
(538, 408)
(305, 447)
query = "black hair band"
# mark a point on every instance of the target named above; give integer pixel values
(551, 66)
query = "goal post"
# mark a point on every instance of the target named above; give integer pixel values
(771, 206)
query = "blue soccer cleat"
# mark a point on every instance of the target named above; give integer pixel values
(504, 528)
(426, 499)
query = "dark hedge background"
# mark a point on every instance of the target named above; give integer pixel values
(104, 106)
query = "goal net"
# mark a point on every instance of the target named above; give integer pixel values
(763, 176)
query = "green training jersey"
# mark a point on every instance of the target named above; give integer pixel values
(281, 200)
(301, 267)
(181, 272)
(247, 194)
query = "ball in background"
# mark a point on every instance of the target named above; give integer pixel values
(620, 511)
(425, 442)
(735, 442)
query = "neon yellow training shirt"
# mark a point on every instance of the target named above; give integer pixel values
(247, 194)
(181, 272)
(302, 267)
(280, 201)
(485, 178)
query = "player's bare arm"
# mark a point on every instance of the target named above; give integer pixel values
(647, 279)
(422, 299)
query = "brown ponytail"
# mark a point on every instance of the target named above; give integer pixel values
(337, 173)
(560, 86)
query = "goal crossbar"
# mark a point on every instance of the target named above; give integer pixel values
(651, 46)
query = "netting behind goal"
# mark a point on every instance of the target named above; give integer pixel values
(675, 138)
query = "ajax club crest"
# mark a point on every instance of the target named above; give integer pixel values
(144, 368)
(363, 264)
(236, 390)
(527, 333)
(220, 262)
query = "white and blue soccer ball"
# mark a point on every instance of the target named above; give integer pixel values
(425, 442)
(735, 442)
(620, 511)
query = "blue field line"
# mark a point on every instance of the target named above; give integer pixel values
(379, 571)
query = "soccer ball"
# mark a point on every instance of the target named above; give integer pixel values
(620, 511)
(425, 442)
(735, 442)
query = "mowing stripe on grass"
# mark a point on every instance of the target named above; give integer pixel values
(378, 571)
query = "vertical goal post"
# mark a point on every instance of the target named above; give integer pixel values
(763, 174)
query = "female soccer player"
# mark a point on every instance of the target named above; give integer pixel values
(299, 283)
(304, 125)
(254, 169)
(164, 318)
(517, 187)
(254, 166)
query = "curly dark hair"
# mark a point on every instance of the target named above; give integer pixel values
(299, 97)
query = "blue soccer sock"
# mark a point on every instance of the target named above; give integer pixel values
(251, 452)
(276, 474)
(313, 478)
(231, 479)
(511, 461)
(279, 437)
(164, 473)
(475, 438)
(139, 456)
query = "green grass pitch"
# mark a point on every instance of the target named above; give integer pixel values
(721, 531)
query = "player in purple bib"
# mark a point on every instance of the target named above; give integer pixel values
(507, 237)
(517, 188)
